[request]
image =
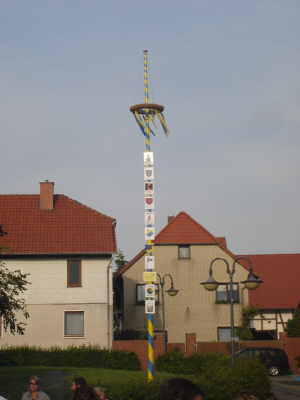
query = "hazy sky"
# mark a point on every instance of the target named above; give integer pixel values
(228, 73)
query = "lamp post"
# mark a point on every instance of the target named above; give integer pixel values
(252, 282)
(171, 292)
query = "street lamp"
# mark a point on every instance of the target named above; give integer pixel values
(252, 282)
(171, 292)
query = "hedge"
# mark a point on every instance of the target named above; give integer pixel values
(216, 376)
(82, 356)
(175, 362)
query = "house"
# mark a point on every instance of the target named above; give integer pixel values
(184, 249)
(66, 247)
(278, 297)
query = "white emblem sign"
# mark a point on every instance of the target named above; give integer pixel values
(149, 233)
(148, 158)
(149, 263)
(149, 189)
(149, 219)
(150, 292)
(148, 173)
(150, 306)
(149, 203)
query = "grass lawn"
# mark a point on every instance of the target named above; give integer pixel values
(57, 381)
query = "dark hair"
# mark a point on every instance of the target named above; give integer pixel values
(179, 389)
(83, 391)
(80, 381)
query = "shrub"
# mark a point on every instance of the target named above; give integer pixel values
(219, 382)
(293, 325)
(171, 362)
(83, 356)
(225, 382)
(216, 376)
(176, 363)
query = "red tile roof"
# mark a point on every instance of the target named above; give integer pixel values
(281, 276)
(183, 229)
(70, 228)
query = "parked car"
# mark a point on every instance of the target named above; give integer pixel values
(273, 358)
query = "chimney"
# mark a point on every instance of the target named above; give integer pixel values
(46, 195)
(170, 218)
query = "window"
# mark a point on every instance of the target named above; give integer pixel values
(74, 323)
(184, 252)
(74, 273)
(224, 335)
(140, 294)
(223, 293)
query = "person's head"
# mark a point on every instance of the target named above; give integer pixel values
(33, 384)
(100, 392)
(78, 383)
(180, 389)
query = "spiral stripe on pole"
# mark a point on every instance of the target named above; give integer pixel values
(150, 366)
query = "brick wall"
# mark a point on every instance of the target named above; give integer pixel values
(292, 348)
(140, 348)
(290, 345)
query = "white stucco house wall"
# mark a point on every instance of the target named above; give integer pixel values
(67, 248)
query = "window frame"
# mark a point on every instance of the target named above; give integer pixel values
(227, 284)
(235, 338)
(186, 246)
(69, 262)
(83, 328)
(142, 302)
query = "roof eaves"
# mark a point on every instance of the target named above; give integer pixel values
(130, 263)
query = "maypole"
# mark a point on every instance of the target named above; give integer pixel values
(145, 115)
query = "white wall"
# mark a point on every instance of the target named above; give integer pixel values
(48, 280)
(48, 297)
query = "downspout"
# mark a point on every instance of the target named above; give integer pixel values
(108, 282)
(108, 274)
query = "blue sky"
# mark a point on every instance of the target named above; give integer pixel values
(228, 74)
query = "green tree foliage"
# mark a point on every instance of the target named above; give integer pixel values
(120, 259)
(248, 313)
(12, 285)
(293, 325)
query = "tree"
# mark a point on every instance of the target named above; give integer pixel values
(120, 259)
(248, 313)
(12, 285)
(293, 325)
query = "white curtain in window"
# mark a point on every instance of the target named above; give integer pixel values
(74, 323)
(184, 251)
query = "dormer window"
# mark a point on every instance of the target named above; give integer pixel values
(184, 252)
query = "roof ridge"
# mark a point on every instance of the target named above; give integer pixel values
(65, 196)
(198, 224)
(84, 206)
(269, 254)
(18, 194)
(166, 226)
